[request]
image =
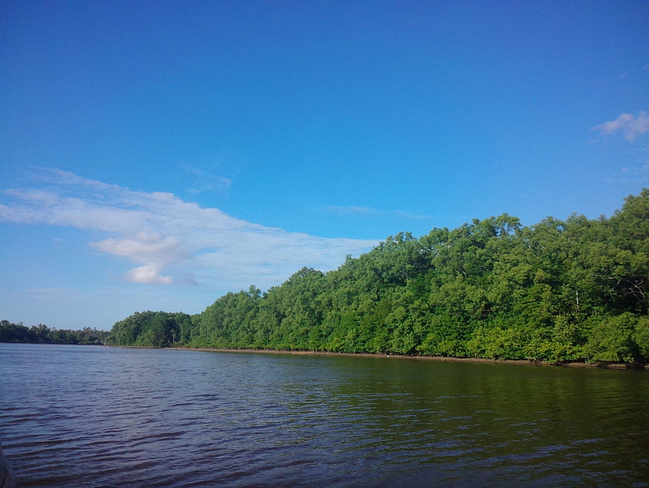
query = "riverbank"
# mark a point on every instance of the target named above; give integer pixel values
(521, 362)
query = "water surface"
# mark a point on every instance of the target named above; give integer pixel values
(93, 416)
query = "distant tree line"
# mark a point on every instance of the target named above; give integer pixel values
(560, 290)
(42, 334)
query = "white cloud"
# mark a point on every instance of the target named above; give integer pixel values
(163, 234)
(630, 125)
(153, 249)
(148, 274)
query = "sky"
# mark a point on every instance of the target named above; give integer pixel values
(157, 155)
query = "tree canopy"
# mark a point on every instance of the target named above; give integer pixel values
(42, 334)
(560, 290)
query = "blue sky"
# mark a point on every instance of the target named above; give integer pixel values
(156, 155)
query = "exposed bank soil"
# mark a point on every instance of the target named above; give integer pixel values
(523, 362)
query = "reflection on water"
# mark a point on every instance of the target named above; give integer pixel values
(92, 416)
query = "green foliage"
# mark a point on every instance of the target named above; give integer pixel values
(615, 339)
(573, 290)
(42, 334)
(154, 329)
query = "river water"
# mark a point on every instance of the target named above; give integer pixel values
(94, 416)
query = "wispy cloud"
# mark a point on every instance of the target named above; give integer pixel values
(170, 240)
(635, 175)
(368, 211)
(406, 215)
(206, 182)
(350, 210)
(631, 126)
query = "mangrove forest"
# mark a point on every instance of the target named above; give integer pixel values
(561, 290)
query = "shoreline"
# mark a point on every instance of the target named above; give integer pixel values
(520, 362)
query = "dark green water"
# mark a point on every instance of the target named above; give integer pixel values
(90, 416)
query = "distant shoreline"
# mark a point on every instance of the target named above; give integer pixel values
(521, 362)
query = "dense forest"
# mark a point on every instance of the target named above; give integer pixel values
(42, 334)
(560, 290)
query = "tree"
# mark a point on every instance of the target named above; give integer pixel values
(560, 290)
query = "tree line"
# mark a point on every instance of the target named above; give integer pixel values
(560, 290)
(42, 334)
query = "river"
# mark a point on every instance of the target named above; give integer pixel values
(88, 416)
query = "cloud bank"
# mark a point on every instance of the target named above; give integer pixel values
(170, 240)
(631, 126)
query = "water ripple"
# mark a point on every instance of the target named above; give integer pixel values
(89, 417)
